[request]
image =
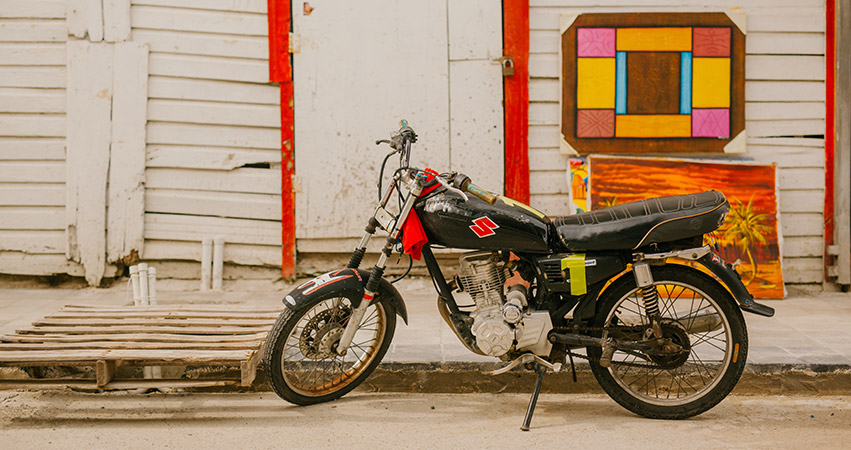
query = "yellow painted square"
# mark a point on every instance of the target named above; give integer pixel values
(653, 126)
(710, 83)
(654, 40)
(595, 84)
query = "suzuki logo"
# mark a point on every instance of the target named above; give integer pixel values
(483, 227)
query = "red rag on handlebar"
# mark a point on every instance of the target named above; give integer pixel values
(413, 234)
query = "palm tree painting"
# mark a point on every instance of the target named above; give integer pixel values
(751, 231)
(746, 228)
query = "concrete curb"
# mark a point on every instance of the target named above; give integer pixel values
(764, 379)
(470, 377)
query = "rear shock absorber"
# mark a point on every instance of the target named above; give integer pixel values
(649, 294)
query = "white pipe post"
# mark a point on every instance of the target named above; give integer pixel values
(152, 286)
(143, 284)
(218, 262)
(206, 263)
(134, 283)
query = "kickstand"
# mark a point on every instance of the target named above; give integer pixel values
(532, 401)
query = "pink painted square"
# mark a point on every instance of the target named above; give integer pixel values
(595, 42)
(595, 123)
(711, 42)
(710, 123)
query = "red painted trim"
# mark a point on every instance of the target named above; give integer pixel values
(516, 87)
(829, 124)
(280, 71)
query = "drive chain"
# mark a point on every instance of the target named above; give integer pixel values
(626, 328)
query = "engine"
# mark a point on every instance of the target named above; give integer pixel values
(501, 322)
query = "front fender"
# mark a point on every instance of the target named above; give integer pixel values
(348, 283)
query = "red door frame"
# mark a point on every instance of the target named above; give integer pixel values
(281, 71)
(829, 127)
(516, 110)
(515, 35)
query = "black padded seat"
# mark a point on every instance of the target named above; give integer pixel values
(643, 222)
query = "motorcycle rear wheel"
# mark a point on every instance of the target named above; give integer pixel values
(674, 388)
(300, 356)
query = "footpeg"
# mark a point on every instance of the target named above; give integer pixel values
(527, 358)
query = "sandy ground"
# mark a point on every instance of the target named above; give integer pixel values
(59, 420)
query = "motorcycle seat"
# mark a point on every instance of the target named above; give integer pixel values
(640, 223)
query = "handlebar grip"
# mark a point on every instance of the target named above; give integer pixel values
(479, 192)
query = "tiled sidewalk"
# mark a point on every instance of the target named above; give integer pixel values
(806, 330)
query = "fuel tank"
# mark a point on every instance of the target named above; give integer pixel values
(506, 225)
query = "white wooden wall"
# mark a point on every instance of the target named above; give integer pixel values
(784, 94)
(361, 68)
(210, 112)
(32, 138)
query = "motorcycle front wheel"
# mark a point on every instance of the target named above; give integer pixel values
(698, 314)
(300, 357)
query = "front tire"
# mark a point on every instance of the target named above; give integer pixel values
(674, 387)
(300, 355)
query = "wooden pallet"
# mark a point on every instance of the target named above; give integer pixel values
(109, 337)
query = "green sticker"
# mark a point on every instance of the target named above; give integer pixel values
(576, 264)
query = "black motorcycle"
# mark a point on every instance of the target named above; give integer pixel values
(658, 313)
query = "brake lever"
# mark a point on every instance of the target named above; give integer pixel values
(451, 188)
(383, 141)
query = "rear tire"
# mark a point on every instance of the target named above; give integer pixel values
(715, 360)
(300, 360)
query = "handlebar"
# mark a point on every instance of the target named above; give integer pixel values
(401, 142)
(479, 192)
(464, 183)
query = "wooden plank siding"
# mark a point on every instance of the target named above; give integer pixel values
(213, 130)
(784, 94)
(33, 127)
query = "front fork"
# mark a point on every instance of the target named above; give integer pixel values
(378, 270)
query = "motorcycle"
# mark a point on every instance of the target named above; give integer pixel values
(658, 312)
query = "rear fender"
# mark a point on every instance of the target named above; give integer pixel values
(728, 275)
(348, 283)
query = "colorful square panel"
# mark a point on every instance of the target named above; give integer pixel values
(710, 123)
(654, 39)
(595, 83)
(711, 42)
(653, 126)
(710, 83)
(595, 123)
(595, 42)
(653, 82)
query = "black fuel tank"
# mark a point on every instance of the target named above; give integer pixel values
(506, 225)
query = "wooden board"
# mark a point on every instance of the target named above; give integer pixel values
(167, 41)
(198, 20)
(110, 337)
(125, 216)
(164, 87)
(28, 100)
(33, 9)
(237, 205)
(251, 6)
(220, 158)
(90, 81)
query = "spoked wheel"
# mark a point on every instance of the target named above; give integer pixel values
(710, 345)
(301, 357)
